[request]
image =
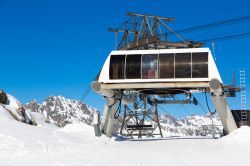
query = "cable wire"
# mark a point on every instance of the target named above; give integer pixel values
(216, 24)
(208, 105)
(235, 36)
(85, 93)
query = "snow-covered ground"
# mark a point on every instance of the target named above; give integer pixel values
(76, 145)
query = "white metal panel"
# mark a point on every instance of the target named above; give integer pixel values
(104, 75)
(212, 69)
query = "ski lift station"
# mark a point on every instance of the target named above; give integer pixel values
(148, 70)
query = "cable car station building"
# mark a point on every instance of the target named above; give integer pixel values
(142, 77)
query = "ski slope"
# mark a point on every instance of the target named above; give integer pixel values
(76, 145)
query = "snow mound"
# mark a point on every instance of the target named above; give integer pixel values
(239, 135)
(12, 106)
(77, 127)
(13, 102)
(4, 115)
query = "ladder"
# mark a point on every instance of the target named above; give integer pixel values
(243, 97)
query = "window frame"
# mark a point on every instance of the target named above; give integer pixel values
(173, 65)
(110, 66)
(204, 63)
(157, 65)
(183, 64)
(126, 64)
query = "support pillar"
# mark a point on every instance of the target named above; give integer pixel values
(96, 123)
(219, 100)
(107, 122)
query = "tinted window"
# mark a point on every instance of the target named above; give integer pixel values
(133, 66)
(200, 65)
(116, 68)
(149, 66)
(183, 65)
(166, 65)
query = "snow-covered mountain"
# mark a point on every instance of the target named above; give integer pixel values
(61, 111)
(194, 125)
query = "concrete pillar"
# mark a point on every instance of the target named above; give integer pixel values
(219, 100)
(107, 122)
(96, 123)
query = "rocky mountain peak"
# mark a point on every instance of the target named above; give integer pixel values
(62, 111)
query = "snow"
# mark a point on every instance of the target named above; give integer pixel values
(240, 135)
(77, 127)
(76, 145)
(13, 102)
(13, 105)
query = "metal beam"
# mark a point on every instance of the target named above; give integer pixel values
(173, 102)
(119, 30)
(152, 16)
(152, 85)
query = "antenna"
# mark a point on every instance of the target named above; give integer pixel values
(233, 79)
(213, 49)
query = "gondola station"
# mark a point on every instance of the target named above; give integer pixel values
(148, 70)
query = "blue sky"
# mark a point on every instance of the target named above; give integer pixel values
(56, 47)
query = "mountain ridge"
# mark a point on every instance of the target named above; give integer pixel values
(61, 111)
